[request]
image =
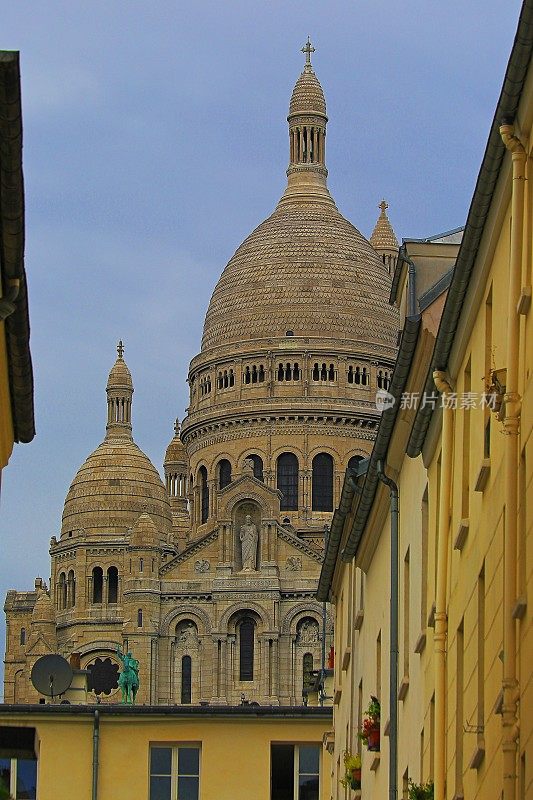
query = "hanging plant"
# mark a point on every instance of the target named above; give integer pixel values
(370, 732)
(420, 791)
(352, 770)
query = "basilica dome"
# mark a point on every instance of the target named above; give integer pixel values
(117, 482)
(304, 270)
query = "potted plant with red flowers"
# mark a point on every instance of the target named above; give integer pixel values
(370, 733)
(352, 770)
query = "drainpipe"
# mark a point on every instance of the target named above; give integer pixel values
(441, 617)
(393, 648)
(411, 287)
(511, 425)
(96, 742)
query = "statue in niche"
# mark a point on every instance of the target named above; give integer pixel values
(186, 634)
(308, 632)
(249, 540)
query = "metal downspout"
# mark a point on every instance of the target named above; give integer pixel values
(96, 742)
(511, 426)
(393, 647)
(441, 616)
(411, 287)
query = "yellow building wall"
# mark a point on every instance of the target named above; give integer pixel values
(234, 757)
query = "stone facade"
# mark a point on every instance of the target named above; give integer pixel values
(210, 578)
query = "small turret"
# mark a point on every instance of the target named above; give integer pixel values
(383, 239)
(176, 471)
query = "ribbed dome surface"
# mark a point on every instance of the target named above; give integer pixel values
(304, 269)
(307, 95)
(116, 483)
(119, 375)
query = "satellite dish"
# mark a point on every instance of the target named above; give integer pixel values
(51, 675)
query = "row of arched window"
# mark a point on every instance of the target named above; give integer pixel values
(287, 479)
(321, 372)
(98, 585)
(186, 635)
(225, 379)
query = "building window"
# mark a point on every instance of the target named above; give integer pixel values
(288, 481)
(307, 668)
(258, 466)
(323, 482)
(295, 771)
(98, 582)
(139, 618)
(204, 495)
(175, 773)
(224, 473)
(246, 649)
(103, 676)
(186, 679)
(71, 587)
(18, 778)
(23, 635)
(62, 591)
(112, 585)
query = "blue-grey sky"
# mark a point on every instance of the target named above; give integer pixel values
(155, 140)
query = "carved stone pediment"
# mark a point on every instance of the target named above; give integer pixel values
(249, 488)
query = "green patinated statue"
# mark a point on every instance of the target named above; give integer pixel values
(129, 677)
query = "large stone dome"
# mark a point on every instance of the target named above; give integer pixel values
(305, 269)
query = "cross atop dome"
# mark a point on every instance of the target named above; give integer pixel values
(308, 49)
(120, 349)
(383, 206)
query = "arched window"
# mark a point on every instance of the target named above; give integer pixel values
(287, 474)
(139, 618)
(350, 374)
(186, 679)
(246, 376)
(204, 495)
(23, 635)
(296, 373)
(261, 376)
(224, 473)
(112, 585)
(258, 466)
(307, 676)
(281, 372)
(316, 373)
(62, 591)
(323, 482)
(71, 584)
(246, 649)
(98, 582)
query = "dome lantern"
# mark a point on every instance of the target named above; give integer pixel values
(119, 397)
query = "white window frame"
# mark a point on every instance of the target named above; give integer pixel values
(13, 775)
(296, 764)
(174, 775)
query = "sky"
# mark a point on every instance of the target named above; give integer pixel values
(155, 141)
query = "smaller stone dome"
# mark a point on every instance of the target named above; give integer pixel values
(144, 532)
(307, 95)
(120, 376)
(43, 610)
(176, 452)
(383, 237)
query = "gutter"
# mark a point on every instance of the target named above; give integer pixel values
(507, 108)
(386, 426)
(352, 485)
